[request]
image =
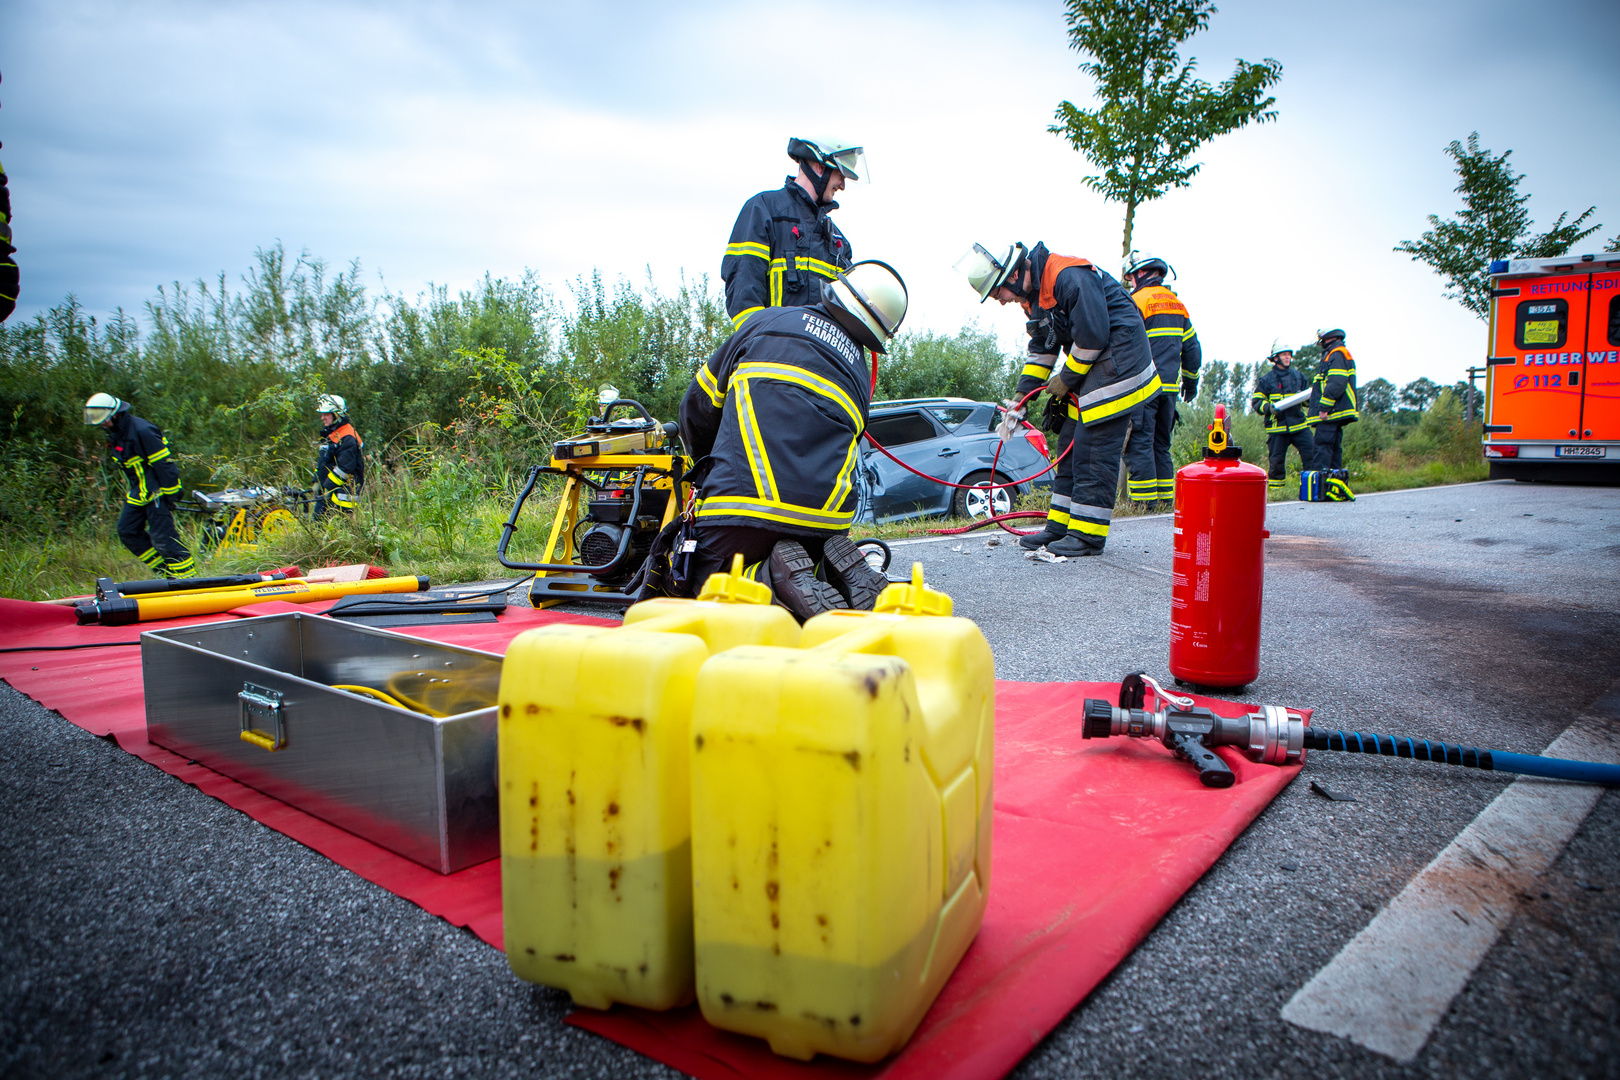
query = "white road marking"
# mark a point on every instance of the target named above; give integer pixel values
(1389, 987)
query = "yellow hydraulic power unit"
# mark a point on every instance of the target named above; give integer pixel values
(624, 481)
(121, 611)
(836, 861)
(594, 738)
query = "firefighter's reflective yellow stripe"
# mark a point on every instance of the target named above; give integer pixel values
(340, 499)
(779, 512)
(1169, 331)
(709, 384)
(153, 459)
(141, 496)
(150, 557)
(759, 463)
(742, 316)
(1077, 366)
(1090, 528)
(1116, 398)
(1035, 370)
(1141, 490)
(845, 481)
(334, 477)
(172, 489)
(803, 262)
(761, 369)
(1060, 517)
(1187, 334)
(750, 247)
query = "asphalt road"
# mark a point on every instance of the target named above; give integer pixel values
(147, 930)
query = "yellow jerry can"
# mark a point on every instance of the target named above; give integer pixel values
(594, 745)
(841, 824)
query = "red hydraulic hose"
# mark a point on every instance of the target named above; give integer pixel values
(999, 519)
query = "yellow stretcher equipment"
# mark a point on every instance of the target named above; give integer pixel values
(594, 738)
(624, 481)
(793, 825)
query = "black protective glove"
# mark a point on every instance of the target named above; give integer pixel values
(1189, 387)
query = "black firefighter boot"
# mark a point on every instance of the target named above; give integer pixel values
(794, 582)
(844, 565)
(1036, 541)
(1073, 546)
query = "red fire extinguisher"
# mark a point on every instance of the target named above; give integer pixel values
(1215, 593)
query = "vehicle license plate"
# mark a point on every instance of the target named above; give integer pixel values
(1582, 451)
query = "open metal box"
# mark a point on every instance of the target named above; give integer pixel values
(254, 699)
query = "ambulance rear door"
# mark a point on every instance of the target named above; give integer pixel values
(1538, 357)
(1600, 402)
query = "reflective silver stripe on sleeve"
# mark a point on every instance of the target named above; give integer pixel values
(1119, 389)
(1102, 513)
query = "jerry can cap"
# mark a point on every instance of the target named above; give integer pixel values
(915, 598)
(734, 588)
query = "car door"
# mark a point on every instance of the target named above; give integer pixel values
(917, 439)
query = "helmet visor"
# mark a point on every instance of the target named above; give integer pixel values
(982, 270)
(98, 414)
(850, 161)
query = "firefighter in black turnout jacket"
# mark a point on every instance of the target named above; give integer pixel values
(1333, 399)
(1177, 356)
(340, 465)
(1284, 427)
(784, 248)
(778, 411)
(146, 525)
(1108, 371)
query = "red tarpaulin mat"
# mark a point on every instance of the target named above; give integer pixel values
(1094, 841)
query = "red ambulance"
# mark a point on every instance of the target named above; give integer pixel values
(1553, 378)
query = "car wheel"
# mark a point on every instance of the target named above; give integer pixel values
(981, 502)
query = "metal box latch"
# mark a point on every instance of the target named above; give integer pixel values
(264, 705)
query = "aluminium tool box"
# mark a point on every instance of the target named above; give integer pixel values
(254, 699)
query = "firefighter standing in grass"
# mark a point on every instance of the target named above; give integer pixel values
(1333, 399)
(1177, 356)
(340, 466)
(779, 410)
(146, 525)
(1284, 427)
(1108, 372)
(784, 248)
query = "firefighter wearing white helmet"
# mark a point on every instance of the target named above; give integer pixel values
(778, 411)
(784, 248)
(1177, 355)
(340, 465)
(1076, 309)
(146, 524)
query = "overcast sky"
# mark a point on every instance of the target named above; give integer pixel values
(165, 141)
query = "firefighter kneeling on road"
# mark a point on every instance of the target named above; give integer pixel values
(778, 411)
(146, 525)
(1108, 371)
(1284, 427)
(340, 467)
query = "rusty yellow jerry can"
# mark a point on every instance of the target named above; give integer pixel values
(841, 809)
(594, 748)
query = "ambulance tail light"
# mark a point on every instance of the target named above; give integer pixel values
(1496, 450)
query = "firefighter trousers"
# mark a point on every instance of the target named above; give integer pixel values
(716, 544)
(1277, 443)
(1329, 446)
(1147, 450)
(1093, 477)
(149, 534)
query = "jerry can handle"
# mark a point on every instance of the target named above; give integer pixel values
(259, 702)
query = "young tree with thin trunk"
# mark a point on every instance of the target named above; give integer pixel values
(1152, 113)
(1492, 224)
